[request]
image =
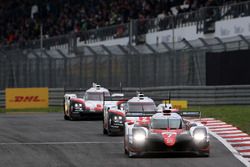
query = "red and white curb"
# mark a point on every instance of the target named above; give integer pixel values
(234, 139)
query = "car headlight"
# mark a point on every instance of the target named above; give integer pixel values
(139, 137)
(117, 118)
(199, 136)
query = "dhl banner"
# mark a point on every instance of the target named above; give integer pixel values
(179, 104)
(20, 98)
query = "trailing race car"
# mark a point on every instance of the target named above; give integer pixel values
(67, 103)
(75, 109)
(90, 105)
(117, 111)
(167, 133)
(139, 110)
(114, 116)
(94, 99)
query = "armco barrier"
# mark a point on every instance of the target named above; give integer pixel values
(195, 95)
(2, 98)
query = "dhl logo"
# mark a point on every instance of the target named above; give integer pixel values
(27, 99)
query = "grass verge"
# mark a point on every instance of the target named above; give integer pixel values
(237, 115)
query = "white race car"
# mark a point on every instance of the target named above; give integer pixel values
(91, 104)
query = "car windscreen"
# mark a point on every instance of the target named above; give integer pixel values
(166, 123)
(95, 96)
(141, 107)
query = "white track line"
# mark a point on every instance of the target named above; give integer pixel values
(243, 142)
(234, 135)
(60, 143)
(223, 129)
(230, 148)
(220, 127)
(245, 153)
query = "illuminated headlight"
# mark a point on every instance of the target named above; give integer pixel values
(117, 118)
(139, 137)
(76, 105)
(199, 136)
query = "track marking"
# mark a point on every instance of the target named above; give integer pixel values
(232, 149)
(60, 143)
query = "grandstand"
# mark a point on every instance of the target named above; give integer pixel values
(23, 20)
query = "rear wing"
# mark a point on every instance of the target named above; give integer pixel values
(79, 92)
(196, 114)
(140, 114)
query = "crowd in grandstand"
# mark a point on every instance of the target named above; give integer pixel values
(22, 20)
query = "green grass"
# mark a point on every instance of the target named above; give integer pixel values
(50, 109)
(237, 115)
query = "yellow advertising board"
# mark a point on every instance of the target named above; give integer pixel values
(179, 104)
(20, 98)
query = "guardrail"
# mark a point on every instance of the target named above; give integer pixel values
(195, 95)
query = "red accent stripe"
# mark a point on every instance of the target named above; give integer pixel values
(244, 151)
(216, 124)
(117, 113)
(233, 133)
(77, 100)
(235, 136)
(238, 140)
(241, 145)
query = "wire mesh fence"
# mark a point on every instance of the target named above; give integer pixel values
(132, 66)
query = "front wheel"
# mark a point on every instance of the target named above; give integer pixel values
(66, 117)
(132, 154)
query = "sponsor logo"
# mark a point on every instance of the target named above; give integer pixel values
(27, 99)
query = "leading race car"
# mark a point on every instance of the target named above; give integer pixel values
(167, 133)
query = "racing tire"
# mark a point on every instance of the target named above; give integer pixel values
(132, 154)
(71, 118)
(66, 117)
(124, 147)
(204, 155)
(104, 131)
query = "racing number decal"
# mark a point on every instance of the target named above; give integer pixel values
(169, 138)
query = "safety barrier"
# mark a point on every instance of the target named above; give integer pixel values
(195, 95)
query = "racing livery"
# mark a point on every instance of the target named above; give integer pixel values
(167, 133)
(114, 117)
(137, 109)
(91, 104)
(94, 99)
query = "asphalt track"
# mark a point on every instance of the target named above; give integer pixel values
(46, 139)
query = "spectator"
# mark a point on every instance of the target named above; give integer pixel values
(22, 18)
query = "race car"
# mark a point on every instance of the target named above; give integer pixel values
(137, 109)
(167, 133)
(94, 99)
(114, 116)
(75, 109)
(66, 106)
(91, 104)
